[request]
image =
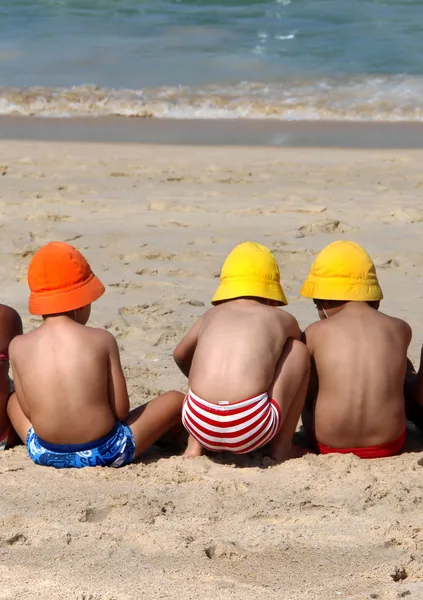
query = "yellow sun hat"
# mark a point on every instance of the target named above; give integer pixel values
(250, 270)
(343, 271)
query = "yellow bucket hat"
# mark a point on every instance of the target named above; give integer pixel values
(250, 270)
(343, 271)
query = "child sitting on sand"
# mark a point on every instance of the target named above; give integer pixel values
(248, 372)
(355, 401)
(71, 404)
(10, 327)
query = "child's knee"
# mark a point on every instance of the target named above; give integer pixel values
(177, 398)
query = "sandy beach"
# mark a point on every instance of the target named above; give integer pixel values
(155, 223)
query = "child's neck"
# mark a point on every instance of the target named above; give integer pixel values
(60, 317)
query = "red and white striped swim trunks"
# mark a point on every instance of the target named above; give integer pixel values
(239, 427)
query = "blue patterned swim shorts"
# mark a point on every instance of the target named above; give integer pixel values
(115, 449)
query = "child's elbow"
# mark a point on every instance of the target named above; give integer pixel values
(122, 411)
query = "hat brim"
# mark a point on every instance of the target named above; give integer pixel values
(60, 301)
(258, 289)
(342, 290)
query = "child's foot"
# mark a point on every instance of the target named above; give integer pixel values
(194, 448)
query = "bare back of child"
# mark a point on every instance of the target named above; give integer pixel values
(248, 371)
(64, 374)
(10, 327)
(71, 404)
(359, 355)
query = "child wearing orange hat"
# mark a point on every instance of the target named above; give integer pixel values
(10, 327)
(71, 405)
(355, 402)
(247, 369)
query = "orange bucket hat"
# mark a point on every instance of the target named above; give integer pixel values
(60, 280)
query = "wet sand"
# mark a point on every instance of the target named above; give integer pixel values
(223, 132)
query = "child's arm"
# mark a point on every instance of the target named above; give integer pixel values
(17, 406)
(19, 394)
(117, 391)
(16, 379)
(184, 351)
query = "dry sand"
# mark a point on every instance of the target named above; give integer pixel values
(156, 224)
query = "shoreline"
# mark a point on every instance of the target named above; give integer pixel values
(216, 132)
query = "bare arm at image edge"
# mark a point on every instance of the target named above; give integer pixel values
(18, 389)
(117, 390)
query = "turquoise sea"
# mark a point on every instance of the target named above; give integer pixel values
(286, 59)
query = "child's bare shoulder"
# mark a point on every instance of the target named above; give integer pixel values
(399, 324)
(286, 319)
(23, 341)
(288, 324)
(17, 344)
(101, 336)
(311, 332)
(211, 312)
(284, 315)
(207, 317)
(314, 328)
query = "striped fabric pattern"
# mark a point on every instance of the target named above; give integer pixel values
(239, 427)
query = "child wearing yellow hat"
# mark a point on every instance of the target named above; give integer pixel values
(355, 402)
(71, 405)
(247, 369)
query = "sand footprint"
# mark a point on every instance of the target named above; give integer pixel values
(180, 273)
(146, 271)
(326, 226)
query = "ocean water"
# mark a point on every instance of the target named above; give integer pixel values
(284, 59)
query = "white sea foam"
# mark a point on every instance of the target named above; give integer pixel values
(361, 99)
(289, 36)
